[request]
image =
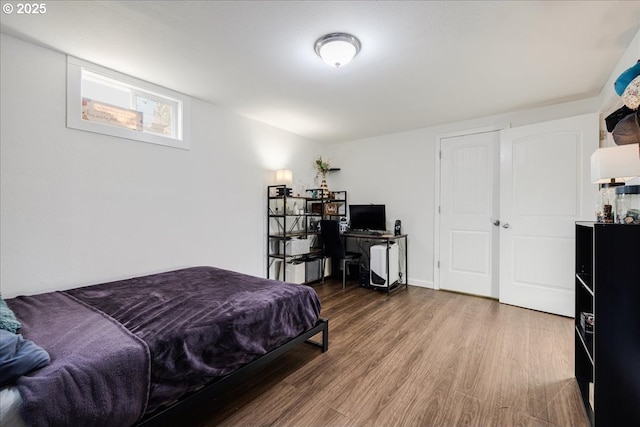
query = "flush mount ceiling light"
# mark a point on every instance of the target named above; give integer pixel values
(337, 49)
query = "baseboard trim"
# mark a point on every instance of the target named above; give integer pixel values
(421, 283)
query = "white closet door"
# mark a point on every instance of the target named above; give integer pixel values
(545, 188)
(468, 238)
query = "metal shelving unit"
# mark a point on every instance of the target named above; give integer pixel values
(293, 245)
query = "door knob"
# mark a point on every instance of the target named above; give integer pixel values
(505, 225)
(496, 222)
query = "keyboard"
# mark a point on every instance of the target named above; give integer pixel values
(367, 232)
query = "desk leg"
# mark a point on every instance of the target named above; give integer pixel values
(406, 263)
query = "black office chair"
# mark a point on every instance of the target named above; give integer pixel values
(333, 247)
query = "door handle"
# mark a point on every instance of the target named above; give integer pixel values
(505, 225)
(496, 223)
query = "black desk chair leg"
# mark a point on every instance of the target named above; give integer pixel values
(344, 271)
(333, 248)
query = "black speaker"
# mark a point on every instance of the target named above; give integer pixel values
(396, 228)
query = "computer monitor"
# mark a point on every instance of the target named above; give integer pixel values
(368, 217)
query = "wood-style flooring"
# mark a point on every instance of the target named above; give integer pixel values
(416, 358)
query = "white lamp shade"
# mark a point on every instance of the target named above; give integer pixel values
(615, 164)
(284, 177)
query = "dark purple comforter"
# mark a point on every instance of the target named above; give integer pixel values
(99, 371)
(201, 323)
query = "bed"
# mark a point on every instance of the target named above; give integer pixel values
(139, 351)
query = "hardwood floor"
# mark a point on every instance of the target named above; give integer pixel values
(416, 358)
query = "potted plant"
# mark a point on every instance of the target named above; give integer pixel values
(322, 167)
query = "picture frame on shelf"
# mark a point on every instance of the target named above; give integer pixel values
(331, 208)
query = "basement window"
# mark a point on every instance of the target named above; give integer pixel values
(104, 101)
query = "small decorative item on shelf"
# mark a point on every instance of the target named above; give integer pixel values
(344, 225)
(606, 201)
(587, 322)
(282, 191)
(628, 204)
(331, 209)
(324, 190)
(322, 167)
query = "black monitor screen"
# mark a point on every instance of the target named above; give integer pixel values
(367, 217)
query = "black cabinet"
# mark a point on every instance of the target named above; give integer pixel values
(607, 322)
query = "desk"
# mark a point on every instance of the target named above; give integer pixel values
(387, 239)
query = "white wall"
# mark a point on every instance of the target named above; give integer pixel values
(79, 208)
(399, 171)
(609, 100)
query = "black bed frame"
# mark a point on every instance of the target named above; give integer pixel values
(165, 415)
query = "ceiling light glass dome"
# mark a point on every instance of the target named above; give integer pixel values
(337, 49)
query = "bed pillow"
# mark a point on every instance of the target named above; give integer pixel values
(8, 320)
(19, 357)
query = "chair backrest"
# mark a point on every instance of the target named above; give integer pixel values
(331, 240)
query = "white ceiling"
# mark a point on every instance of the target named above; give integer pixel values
(422, 63)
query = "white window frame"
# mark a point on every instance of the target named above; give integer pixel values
(138, 87)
